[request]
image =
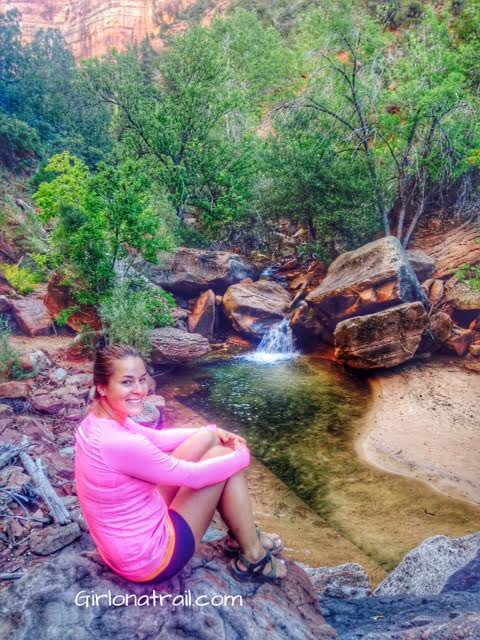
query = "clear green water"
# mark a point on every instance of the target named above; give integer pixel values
(300, 418)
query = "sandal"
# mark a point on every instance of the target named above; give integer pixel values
(232, 551)
(254, 570)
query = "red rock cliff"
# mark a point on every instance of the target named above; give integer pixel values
(92, 27)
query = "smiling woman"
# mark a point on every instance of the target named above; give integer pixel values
(146, 509)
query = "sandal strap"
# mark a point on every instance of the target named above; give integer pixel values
(256, 567)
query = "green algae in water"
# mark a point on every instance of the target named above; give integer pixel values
(294, 418)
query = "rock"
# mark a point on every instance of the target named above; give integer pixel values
(6, 411)
(254, 307)
(47, 403)
(59, 297)
(461, 295)
(383, 339)
(423, 265)
(5, 304)
(474, 350)
(459, 342)
(14, 478)
(372, 278)
(345, 581)
(54, 599)
(53, 538)
(7, 249)
(14, 389)
(32, 316)
(192, 271)
(307, 326)
(36, 361)
(80, 380)
(436, 292)
(427, 568)
(5, 287)
(472, 366)
(58, 376)
(150, 416)
(439, 331)
(173, 346)
(202, 318)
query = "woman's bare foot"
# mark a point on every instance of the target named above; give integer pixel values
(270, 542)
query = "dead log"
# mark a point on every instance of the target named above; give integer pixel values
(12, 576)
(35, 470)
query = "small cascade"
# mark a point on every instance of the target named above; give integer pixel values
(276, 344)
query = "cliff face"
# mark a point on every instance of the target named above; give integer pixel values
(92, 27)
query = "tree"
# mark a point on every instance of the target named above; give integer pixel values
(99, 217)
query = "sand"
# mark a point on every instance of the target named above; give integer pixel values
(424, 423)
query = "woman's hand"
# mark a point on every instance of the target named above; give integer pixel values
(229, 439)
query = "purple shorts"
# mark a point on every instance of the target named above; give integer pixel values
(183, 550)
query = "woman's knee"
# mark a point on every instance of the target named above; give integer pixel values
(217, 450)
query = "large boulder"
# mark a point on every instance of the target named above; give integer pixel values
(32, 316)
(439, 331)
(461, 296)
(383, 339)
(427, 569)
(74, 595)
(192, 271)
(254, 307)
(423, 265)
(202, 318)
(174, 346)
(59, 297)
(367, 280)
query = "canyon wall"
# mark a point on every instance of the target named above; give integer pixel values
(92, 27)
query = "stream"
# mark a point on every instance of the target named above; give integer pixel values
(300, 417)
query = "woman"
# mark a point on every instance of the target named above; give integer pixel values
(147, 510)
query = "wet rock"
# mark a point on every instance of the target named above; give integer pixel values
(192, 271)
(32, 316)
(254, 307)
(308, 327)
(173, 346)
(59, 297)
(372, 278)
(383, 339)
(423, 265)
(426, 569)
(53, 538)
(14, 389)
(49, 592)
(345, 581)
(202, 318)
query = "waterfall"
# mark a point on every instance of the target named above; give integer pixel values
(276, 344)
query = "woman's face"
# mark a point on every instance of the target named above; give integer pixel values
(127, 388)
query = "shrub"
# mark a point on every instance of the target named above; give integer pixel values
(65, 314)
(470, 275)
(132, 310)
(22, 280)
(9, 357)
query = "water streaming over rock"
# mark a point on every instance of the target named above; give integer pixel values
(276, 344)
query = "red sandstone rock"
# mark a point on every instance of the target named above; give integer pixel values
(173, 346)
(383, 339)
(59, 297)
(202, 318)
(436, 292)
(5, 287)
(459, 342)
(5, 304)
(32, 316)
(254, 307)
(14, 389)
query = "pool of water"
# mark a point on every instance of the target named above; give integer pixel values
(301, 417)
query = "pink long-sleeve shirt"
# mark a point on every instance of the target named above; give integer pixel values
(117, 470)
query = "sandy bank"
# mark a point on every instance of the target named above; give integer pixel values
(424, 423)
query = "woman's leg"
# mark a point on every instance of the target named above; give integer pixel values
(233, 501)
(191, 449)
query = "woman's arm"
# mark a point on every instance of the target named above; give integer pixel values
(167, 439)
(136, 456)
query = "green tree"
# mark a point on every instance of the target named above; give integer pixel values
(99, 217)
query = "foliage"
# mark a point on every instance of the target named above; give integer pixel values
(131, 311)
(22, 280)
(470, 275)
(9, 357)
(99, 217)
(19, 145)
(65, 315)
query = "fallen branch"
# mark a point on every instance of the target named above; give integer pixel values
(11, 576)
(35, 470)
